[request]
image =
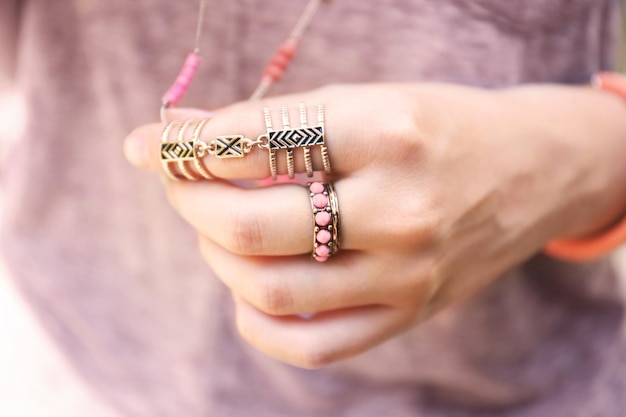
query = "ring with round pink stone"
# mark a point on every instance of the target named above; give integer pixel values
(326, 220)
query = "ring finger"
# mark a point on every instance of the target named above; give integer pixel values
(296, 285)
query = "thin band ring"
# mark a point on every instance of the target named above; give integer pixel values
(182, 166)
(197, 163)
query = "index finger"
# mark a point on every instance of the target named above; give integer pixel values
(230, 130)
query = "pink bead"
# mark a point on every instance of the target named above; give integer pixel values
(320, 200)
(183, 80)
(173, 96)
(322, 250)
(188, 72)
(322, 218)
(323, 236)
(316, 188)
(192, 60)
(281, 60)
(288, 48)
(321, 258)
(175, 93)
(273, 72)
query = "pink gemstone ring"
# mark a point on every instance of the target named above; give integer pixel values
(326, 220)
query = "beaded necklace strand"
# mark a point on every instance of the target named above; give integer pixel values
(271, 74)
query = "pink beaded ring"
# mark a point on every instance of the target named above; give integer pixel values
(326, 216)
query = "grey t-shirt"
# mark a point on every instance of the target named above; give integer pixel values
(114, 274)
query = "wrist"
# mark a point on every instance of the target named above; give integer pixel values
(595, 169)
(577, 134)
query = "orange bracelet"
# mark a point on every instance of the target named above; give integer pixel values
(597, 246)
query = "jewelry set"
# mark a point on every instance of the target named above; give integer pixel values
(183, 146)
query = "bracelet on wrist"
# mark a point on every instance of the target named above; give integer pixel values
(597, 246)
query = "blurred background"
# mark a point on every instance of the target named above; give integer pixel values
(621, 64)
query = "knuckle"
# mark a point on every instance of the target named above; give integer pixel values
(403, 138)
(315, 356)
(274, 298)
(416, 222)
(244, 236)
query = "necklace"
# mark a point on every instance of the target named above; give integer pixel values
(271, 74)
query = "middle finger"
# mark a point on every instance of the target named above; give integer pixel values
(274, 220)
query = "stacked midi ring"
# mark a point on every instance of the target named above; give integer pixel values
(181, 155)
(181, 151)
(326, 215)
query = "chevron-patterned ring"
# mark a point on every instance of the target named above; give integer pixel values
(289, 138)
(180, 153)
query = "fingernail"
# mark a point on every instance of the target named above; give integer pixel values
(136, 151)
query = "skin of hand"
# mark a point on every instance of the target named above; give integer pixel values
(441, 190)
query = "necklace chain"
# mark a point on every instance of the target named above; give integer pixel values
(199, 26)
(271, 74)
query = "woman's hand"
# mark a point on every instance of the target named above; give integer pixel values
(441, 189)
